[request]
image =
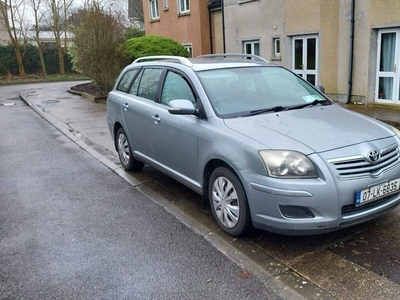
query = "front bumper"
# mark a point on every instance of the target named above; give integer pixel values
(312, 206)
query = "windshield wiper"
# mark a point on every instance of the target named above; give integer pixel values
(311, 104)
(265, 110)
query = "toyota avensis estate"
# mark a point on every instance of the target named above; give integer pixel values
(264, 147)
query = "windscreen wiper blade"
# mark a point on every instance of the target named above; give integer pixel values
(266, 110)
(311, 104)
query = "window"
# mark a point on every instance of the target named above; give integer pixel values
(276, 42)
(176, 87)
(184, 6)
(388, 72)
(251, 47)
(305, 57)
(165, 4)
(146, 83)
(154, 11)
(189, 49)
(126, 80)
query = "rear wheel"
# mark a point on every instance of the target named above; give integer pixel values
(228, 202)
(125, 153)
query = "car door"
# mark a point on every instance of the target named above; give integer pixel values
(175, 136)
(138, 110)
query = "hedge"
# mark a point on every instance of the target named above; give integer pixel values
(152, 45)
(31, 61)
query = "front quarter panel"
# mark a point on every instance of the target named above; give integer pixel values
(218, 142)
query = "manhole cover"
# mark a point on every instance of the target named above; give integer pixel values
(50, 101)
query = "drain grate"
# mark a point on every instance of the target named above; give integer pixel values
(50, 101)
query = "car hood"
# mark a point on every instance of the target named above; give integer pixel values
(308, 130)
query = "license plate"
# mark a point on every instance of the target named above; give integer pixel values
(377, 192)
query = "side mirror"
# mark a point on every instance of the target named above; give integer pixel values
(321, 89)
(181, 107)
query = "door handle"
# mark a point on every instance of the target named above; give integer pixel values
(125, 106)
(156, 119)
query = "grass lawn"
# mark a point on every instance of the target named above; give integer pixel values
(5, 80)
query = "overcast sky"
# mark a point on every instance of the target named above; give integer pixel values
(116, 6)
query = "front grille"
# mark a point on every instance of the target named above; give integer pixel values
(352, 208)
(359, 166)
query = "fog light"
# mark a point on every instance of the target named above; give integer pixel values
(296, 212)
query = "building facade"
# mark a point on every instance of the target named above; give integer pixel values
(185, 21)
(350, 47)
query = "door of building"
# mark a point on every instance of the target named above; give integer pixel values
(388, 78)
(305, 57)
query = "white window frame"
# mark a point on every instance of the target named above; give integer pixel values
(154, 10)
(189, 48)
(165, 4)
(392, 73)
(186, 6)
(276, 42)
(252, 46)
(304, 71)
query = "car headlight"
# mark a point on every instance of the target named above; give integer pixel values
(396, 131)
(287, 164)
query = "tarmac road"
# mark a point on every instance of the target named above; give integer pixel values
(357, 263)
(70, 228)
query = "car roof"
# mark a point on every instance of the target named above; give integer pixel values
(207, 62)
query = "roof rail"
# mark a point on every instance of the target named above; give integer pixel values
(231, 55)
(178, 59)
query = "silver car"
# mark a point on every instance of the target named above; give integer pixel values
(264, 147)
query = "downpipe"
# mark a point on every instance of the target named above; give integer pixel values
(351, 60)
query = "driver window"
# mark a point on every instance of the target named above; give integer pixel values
(176, 87)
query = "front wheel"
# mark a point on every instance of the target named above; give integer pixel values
(228, 202)
(125, 153)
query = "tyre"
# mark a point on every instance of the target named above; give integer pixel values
(125, 153)
(228, 202)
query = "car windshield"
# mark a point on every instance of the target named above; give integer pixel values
(246, 91)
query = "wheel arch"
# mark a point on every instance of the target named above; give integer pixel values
(116, 127)
(208, 169)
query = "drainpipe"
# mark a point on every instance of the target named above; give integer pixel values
(223, 26)
(353, 4)
(210, 29)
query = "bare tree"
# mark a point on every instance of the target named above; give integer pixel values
(95, 50)
(59, 12)
(38, 16)
(135, 13)
(12, 12)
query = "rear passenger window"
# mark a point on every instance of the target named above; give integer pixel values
(126, 80)
(146, 85)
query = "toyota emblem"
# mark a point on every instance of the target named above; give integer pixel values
(374, 156)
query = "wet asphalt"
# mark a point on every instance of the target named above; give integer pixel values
(70, 228)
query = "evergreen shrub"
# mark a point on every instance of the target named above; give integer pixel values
(152, 45)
